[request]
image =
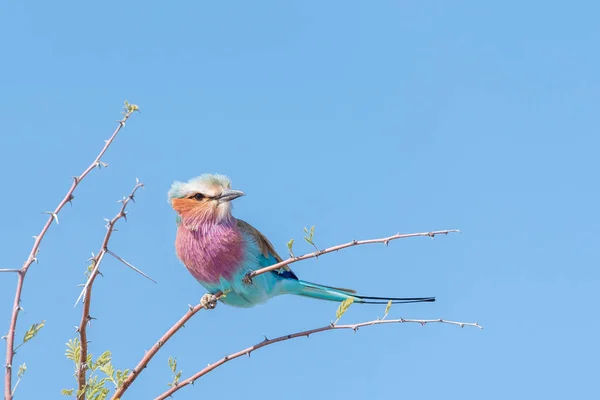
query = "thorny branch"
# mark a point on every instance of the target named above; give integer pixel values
(87, 291)
(194, 309)
(318, 253)
(53, 216)
(330, 327)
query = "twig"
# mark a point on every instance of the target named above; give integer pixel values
(152, 352)
(10, 270)
(10, 336)
(330, 327)
(193, 310)
(318, 253)
(87, 293)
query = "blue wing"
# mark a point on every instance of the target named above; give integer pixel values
(268, 255)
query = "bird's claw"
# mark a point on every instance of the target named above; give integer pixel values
(247, 280)
(208, 301)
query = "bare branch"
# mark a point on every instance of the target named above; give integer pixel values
(10, 270)
(152, 352)
(110, 228)
(87, 293)
(318, 253)
(330, 327)
(53, 216)
(194, 309)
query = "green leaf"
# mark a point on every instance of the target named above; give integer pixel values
(74, 351)
(90, 363)
(176, 375)
(121, 376)
(344, 307)
(109, 370)
(103, 359)
(67, 392)
(129, 108)
(289, 246)
(32, 331)
(309, 234)
(22, 369)
(387, 308)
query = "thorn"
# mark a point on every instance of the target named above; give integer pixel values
(4, 337)
(137, 181)
(266, 338)
(191, 307)
(34, 237)
(76, 179)
(53, 214)
(248, 353)
(130, 266)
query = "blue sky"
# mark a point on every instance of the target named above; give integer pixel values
(362, 118)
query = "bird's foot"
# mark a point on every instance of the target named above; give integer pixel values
(247, 280)
(208, 301)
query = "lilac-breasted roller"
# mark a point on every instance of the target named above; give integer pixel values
(219, 249)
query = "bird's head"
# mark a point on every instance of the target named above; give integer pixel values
(203, 200)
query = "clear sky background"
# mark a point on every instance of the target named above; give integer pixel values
(362, 118)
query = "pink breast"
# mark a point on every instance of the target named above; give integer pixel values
(213, 254)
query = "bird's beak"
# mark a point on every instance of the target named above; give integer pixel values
(229, 194)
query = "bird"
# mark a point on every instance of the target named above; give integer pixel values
(219, 251)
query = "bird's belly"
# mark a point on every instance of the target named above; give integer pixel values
(240, 294)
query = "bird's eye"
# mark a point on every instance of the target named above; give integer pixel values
(198, 196)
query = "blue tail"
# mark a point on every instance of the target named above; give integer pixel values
(314, 290)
